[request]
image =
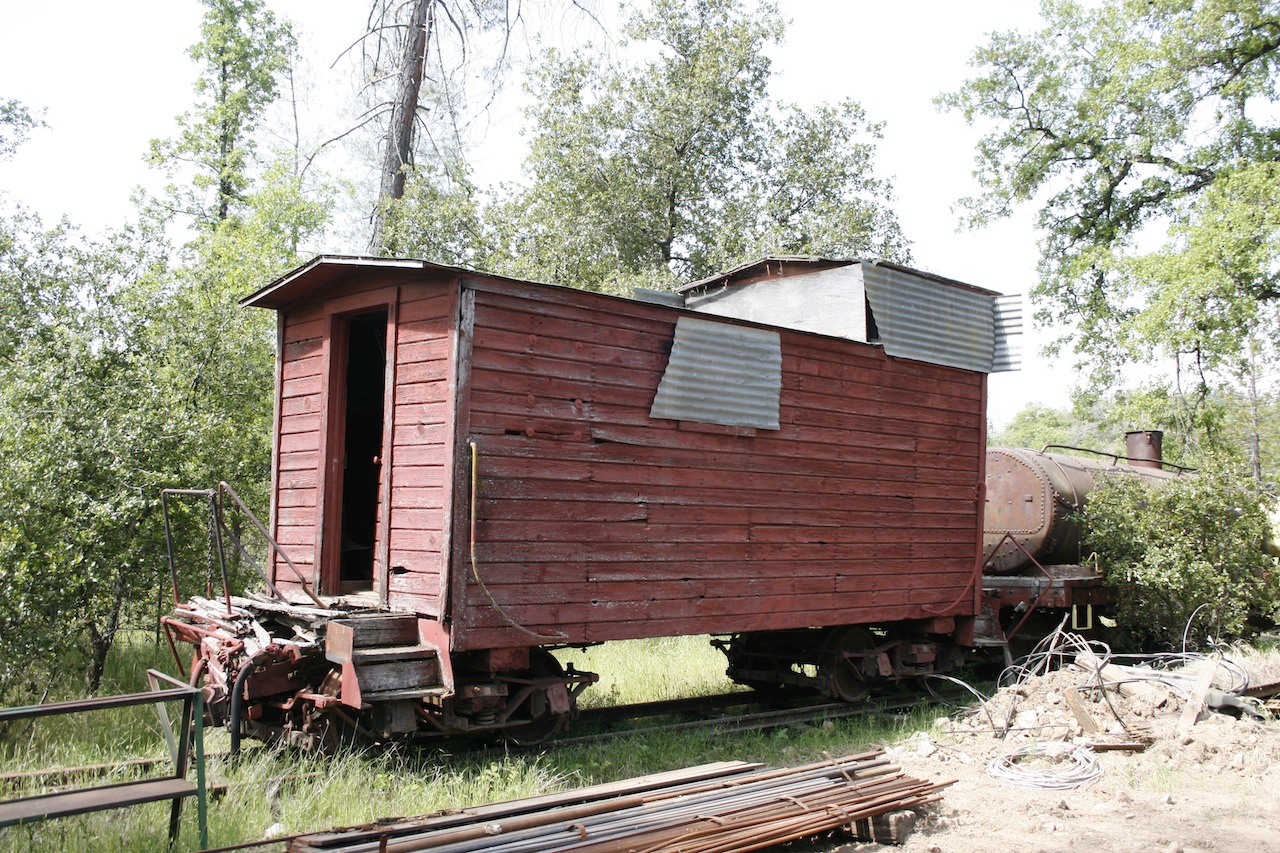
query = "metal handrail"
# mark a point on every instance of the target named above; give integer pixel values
(1117, 458)
(218, 526)
(180, 739)
(225, 487)
(1043, 592)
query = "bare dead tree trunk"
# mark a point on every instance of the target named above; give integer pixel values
(225, 187)
(400, 133)
(1255, 418)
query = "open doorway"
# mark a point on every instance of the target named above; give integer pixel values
(364, 383)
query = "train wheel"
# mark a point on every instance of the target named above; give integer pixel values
(545, 723)
(847, 682)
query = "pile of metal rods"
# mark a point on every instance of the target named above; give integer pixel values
(727, 807)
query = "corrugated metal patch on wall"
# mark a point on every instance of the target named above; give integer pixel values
(920, 320)
(1008, 353)
(720, 373)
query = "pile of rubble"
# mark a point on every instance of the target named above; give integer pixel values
(1073, 699)
(1081, 750)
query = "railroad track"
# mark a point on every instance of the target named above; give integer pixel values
(711, 712)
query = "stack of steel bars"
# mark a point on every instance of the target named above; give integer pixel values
(730, 806)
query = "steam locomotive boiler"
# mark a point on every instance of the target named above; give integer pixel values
(1032, 558)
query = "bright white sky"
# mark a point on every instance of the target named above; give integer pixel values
(110, 77)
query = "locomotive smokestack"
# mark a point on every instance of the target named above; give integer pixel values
(1144, 448)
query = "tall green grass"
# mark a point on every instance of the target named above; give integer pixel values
(284, 792)
(650, 670)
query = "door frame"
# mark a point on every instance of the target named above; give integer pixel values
(338, 313)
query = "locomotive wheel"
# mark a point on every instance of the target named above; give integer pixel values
(847, 683)
(542, 664)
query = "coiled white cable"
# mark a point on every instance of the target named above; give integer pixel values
(1075, 766)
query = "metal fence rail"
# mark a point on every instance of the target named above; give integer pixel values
(174, 786)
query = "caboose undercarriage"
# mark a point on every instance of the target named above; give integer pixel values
(284, 672)
(846, 662)
(281, 672)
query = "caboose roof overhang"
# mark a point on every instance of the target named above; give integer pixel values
(778, 266)
(910, 313)
(323, 270)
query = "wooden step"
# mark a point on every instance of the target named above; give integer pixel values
(414, 693)
(412, 674)
(386, 654)
(344, 636)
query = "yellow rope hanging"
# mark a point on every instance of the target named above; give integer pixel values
(475, 565)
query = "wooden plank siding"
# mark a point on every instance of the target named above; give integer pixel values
(417, 463)
(596, 522)
(422, 446)
(303, 367)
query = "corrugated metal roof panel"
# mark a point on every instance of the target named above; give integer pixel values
(918, 315)
(1008, 353)
(720, 373)
(657, 297)
(917, 319)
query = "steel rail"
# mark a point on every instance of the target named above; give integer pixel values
(809, 713)
(744, 812)
(486, 826)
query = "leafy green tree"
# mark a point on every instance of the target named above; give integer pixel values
(1186, 556)
(1118, 117)
(79, 454)
(16, 123)
(1250, 427)
(1037, 425)
(680, 165)
(242, 51)
(1209, 302)
(122, 373)
(438, 217)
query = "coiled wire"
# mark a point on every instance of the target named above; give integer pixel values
(1077, 765)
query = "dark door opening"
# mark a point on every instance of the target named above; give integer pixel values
(365, 385)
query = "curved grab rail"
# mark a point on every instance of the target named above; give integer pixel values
(1117, 458)
(225, 487)
(215, 498)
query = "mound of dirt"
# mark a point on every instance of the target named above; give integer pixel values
(1098, 756)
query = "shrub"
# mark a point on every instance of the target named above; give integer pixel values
(1172, 548)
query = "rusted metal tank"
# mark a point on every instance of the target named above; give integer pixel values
(1034, 497)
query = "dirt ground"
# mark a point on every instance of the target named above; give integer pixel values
(1210, 786)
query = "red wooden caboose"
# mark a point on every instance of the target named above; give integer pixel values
(789, 455)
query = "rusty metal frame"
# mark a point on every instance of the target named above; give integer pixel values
(574, 683)
(1009, 635)
(181, 739)
(217, 527)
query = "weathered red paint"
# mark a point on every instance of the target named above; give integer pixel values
(594, 521)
